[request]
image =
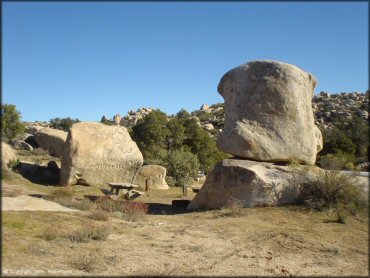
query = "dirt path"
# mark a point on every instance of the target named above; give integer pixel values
(24, 202)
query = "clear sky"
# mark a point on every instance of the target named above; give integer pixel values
(85, 60)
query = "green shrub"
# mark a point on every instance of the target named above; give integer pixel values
(182, 166)
(63, 124)
(329, 189)
(11, 124)
(14, 164)
(338, 161)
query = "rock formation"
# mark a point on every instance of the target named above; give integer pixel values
(151, 177)
(268, 113)
(51, 140)
(96, 153)
(250, 183)
(117, 119)
(7, 155)
(268, 118)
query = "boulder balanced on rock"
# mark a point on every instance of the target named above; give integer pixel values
(96, 153)
(268, 113)
(268, 118)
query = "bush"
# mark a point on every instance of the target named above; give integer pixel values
(14, 164)
(11, 124)
(329, 189)
(84, 204)
(109, 205)
(134, 211)
(182, 166)
(63, 124)
(338, 161)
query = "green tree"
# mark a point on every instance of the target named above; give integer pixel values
(182, 166)
(175, 137)
(150, 135)
(11, 124)
(63, 123)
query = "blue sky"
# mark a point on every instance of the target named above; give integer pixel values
(85, 60)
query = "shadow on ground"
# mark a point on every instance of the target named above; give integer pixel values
(44, 175)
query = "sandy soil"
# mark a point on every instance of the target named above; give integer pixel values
(259, 241)
(24, 202)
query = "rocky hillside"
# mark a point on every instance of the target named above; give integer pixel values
(328, 108)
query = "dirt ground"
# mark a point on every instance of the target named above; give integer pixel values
(284, 241)
(259, 241)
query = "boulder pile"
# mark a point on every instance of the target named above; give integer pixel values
(268, 120)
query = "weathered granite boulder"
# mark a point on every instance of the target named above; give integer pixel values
(248, 182)
(268, 113)
(96, 153)
(21, 145)
(7, 154)
(51, 140)
(151, 176)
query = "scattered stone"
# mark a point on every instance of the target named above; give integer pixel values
(208, 126)
(117, 119)
(98, 153)
(51, 140)
(21, 145)
(268, 113)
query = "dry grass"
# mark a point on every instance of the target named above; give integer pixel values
(85, 262)
(134, 211)
(50, 233)
(99, 215)
(89, 231)
(301, 242)
(233, 208)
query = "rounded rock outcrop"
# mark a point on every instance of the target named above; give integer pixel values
(268, 113)
(96, 153)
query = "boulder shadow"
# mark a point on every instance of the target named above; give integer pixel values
(166, 209)
(44, 175)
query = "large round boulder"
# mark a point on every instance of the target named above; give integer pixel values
(96, 153)
(268, 113)
(51, 140)
(7, 155)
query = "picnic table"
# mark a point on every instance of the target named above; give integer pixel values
(130, 192)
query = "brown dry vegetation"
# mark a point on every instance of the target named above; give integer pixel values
(257, 241)
(232, 241)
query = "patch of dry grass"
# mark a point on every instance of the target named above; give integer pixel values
(85, 262)
(89, 231)
(99, 215)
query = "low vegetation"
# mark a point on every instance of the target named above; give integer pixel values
(63, 123)
(134, 211)
(88, 231)
(330, 190)
(11, 125)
